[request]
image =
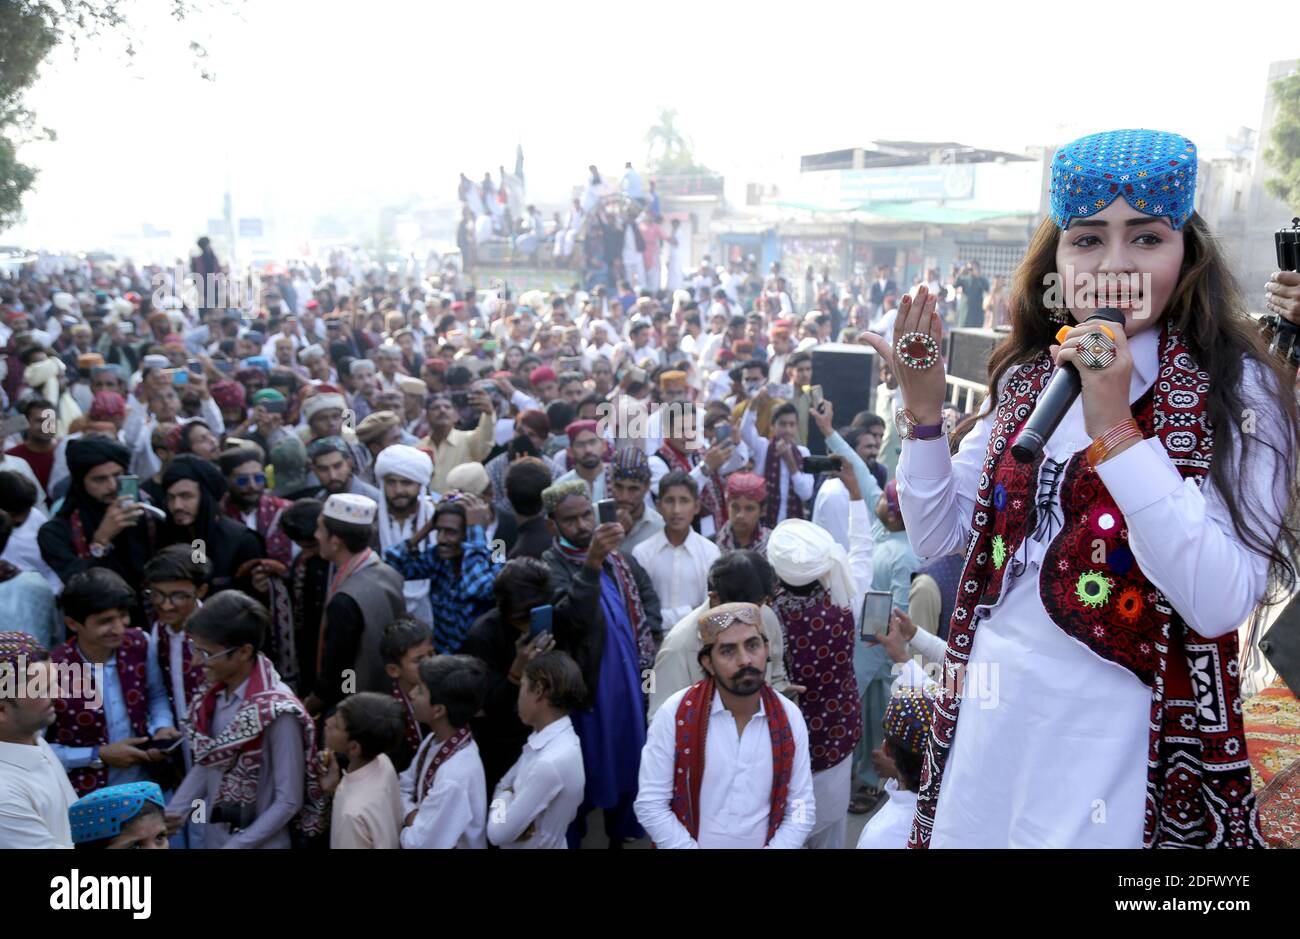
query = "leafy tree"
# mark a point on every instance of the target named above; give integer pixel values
(29, 31)
(668, 150)
(1284, 154)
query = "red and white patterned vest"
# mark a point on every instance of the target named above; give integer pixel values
(1198, 773)
(819, 638)
(77, 724)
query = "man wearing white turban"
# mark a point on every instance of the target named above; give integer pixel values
(46, 378)
(818, 599)
(403, 473)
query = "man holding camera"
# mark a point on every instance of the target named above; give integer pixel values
(452, 447)
(779, 459)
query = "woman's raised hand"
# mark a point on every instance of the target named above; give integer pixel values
(923, 389)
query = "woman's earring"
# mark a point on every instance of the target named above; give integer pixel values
(1059, 315)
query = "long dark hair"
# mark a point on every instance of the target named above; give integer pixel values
(1207, 308)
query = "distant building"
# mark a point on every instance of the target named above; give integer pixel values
(911, 205)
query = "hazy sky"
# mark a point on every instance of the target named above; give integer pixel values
(343, 106)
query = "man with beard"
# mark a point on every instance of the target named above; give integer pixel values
(587, 457)
(364, 596)
(323, 414)
(629, 485)
(607, 617)
(363, 385)
(452, 447)
(94, 527)
(332, 462)
(194, 489)
(403, 473)
(35, 794)
(726, 761)
(459, 567)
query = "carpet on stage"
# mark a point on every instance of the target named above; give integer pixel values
(1272, 720)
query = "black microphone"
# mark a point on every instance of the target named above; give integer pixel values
(1055, 401)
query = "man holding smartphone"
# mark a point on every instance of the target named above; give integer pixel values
(112, 743)
(96, 526)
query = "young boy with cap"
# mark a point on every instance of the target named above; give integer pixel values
(120, 817)
(907, 726)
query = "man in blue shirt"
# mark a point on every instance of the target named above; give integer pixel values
(104, 720)
(460, 567)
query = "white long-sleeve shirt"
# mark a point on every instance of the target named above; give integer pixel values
(891, 825)
(680, 573)
(545, 786)
(736, 791)
(1043, 698)
(803, 482)
(453, 813)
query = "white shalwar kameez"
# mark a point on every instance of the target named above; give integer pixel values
(1050, 749)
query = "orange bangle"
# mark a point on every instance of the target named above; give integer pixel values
(1101, 448)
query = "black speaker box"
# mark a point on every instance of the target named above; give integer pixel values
(969, 351)
(848, 375)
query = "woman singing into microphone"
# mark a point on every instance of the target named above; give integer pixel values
(1091, 694)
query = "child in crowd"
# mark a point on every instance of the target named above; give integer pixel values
(444, 791)
(907, 725)
(536, 801)
(677, 558)
(125, 816)
(367, 810)
(406, 643)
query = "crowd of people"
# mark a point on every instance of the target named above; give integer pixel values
(387, 562)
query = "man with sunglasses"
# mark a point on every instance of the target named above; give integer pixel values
(247, 499)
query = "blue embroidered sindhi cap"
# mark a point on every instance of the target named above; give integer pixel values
(103, 813)
(1154, 171)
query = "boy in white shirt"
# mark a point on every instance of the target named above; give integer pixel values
(907, 726)
(677, 558)
(368, 810)
(444, 790)
(536, 801)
